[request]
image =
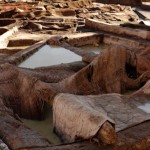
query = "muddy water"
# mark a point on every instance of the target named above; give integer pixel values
(145, 107)
(50, 55)
(45, 127)
(93, 48)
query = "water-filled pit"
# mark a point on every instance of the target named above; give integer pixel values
(44, 127)
(145, 107)
(94, 48)
(46, 56)
(50, 55)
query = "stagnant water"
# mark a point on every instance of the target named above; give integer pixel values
(44, 127)
(145, 107)
(50, 55)
(93, 48)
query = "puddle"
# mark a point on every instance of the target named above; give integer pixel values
(50, 55)
(92, 48)
(145, 107)
(45, 127)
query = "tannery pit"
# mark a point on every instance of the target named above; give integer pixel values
(74, 75)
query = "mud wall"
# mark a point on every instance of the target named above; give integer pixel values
(122, 2)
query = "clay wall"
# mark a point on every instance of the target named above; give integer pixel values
(122, 2)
